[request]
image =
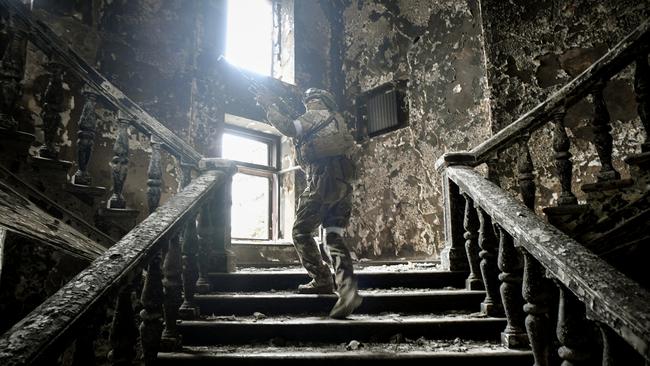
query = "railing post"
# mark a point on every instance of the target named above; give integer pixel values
(642, 90)
(53, 100)
(491, 305)
(511, 266)
(11, 74)
(86, 137)
(471, 224)
(188, 309)
(221, 216)
(152, 291)
(573, 331)
(454, 256)
(120, 162)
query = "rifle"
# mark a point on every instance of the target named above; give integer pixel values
(263, 95)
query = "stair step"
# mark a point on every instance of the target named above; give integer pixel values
(374, 302)
(289, 280)
(361, 327)
(441, 352)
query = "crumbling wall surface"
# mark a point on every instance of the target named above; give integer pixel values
(438, 46)
(535, 48)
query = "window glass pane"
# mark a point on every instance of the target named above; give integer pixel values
(250, 207)
(249, 42)
(244, 149)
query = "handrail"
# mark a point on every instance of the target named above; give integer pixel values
(51, 324)
(47, 41)
(610, 297)
(635, 43)
(43, 200)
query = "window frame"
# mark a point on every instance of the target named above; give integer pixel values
(270, 171)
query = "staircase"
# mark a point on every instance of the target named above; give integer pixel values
(412, 312)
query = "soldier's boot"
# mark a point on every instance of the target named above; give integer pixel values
(349, 298)
(311, 259)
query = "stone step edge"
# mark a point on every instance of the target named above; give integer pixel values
(357, 272)
(326, 321)
(266, 295)
(360, 355)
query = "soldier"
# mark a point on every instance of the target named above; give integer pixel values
(322, 141)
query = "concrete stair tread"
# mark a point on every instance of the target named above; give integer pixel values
(290, 279)
(362, 327)
(374, 302)
(404, 292)
(408, 351)
(384, 318)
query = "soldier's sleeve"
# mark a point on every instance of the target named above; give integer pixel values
(281, 122)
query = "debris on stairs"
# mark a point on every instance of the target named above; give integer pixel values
(411, 313)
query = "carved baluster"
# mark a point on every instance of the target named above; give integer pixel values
(526, 178)
(206, 237)
(538, 322)
(154, 175)
(602, 136)
(188, 309)
(86, 137)
(172, 284)
(511, 267)
(152, 296)
(120, 162)
(152, 299)
(53, 105)
(491, 305)
(642, 89)
(84, 345)
(573, 331)
(12, 70)
(471, 224)
(535, 288)
(617, 351)
(563, 164)
(124, 333)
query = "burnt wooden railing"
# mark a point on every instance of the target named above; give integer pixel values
(561, 284)
(165, 246)
(64, 317)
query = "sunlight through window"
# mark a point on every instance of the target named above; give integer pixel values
(245, 150)
(249, 42)
(250, 207)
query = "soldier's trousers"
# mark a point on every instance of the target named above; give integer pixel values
(327, 201)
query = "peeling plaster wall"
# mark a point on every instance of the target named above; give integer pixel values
(535, 49)
(439, 47)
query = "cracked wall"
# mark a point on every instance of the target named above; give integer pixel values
(439, 48)
(535, 49)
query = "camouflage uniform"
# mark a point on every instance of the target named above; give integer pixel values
(327, 201)
(327, 198)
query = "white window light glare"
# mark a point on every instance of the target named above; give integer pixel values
(249, 40)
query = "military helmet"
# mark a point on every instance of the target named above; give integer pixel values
(323, 95)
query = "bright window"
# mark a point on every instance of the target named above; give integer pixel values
(254, 191)
(250, 207)
(249, 42)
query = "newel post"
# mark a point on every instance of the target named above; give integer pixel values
(215, 219)
(453, 257)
